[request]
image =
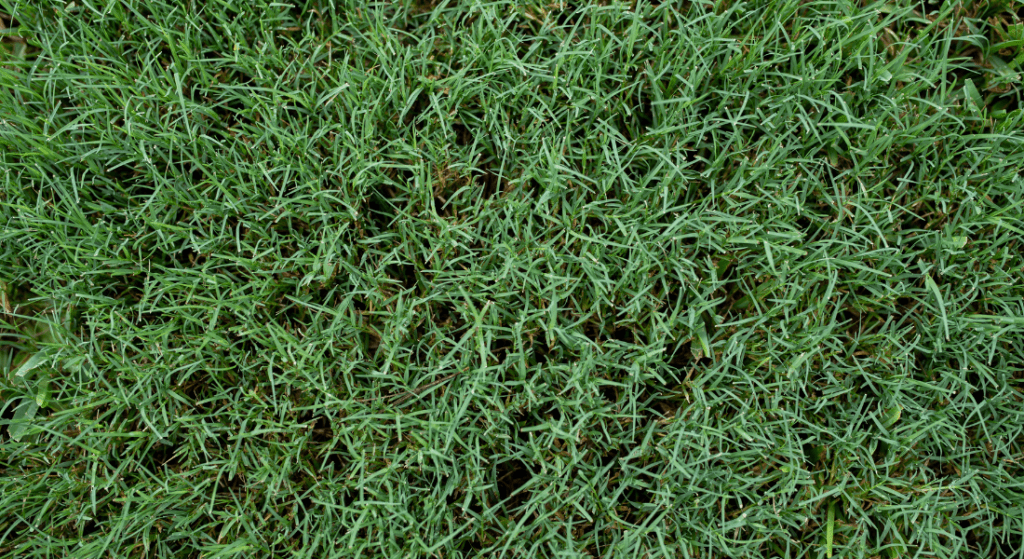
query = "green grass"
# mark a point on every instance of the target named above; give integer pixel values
(713, 279)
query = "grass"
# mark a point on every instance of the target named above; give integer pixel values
(511, 279)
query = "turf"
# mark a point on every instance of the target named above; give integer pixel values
(511, 279)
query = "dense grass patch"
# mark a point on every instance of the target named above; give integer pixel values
(511, 279)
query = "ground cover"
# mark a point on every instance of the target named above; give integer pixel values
(511, 279)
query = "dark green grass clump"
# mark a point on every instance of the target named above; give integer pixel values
(700, 279)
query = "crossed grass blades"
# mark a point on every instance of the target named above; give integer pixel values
(713, 280)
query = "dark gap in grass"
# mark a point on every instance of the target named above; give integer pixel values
(595, 225)
(500, 349)
(194, 387)
(626, 335)
(231, 484)
(299, 477)
(541, 349)
(321, 430)
(91, 527)
(243, 346)
(568, 15)
(697, 189)
(881, 452)
(187, 257)
(609, 456)
(512, 475)
(290, 226)
(195, 174)
(851, 79)
(905, 305)
(379, 211)
(978, 392)
(682, 358)
(623, 334)
(412, 115)
(166, 57)
(227, 113)
(610, 394)
(446, 315)
(941, 469)
(463, 137)
(732, 509)
(489, 180)
(530, 190)
(522, 419)
(330, 461)
(636, 496)
(813, 454)
(446, 183)
(419, 7)
(636, 173)
(637, 125)
(865, 389)
(6, 415)
(660, 409)
(702, 365)
(404, 274)
(1011, 102)
(551, 412)
(358, 304)
(451, 498)
(8, 22)
(803, 223)
(592, 330)
(160, 457)
(470, 547)
(124, 175)
(373, 343)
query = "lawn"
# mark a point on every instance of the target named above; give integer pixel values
(466, 278)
